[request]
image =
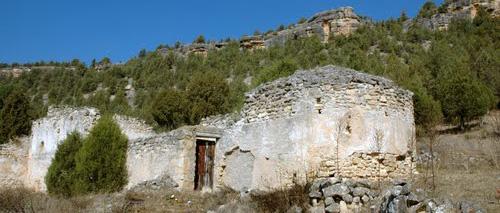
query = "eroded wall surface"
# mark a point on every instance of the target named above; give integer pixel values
(165, 155)
(296, 128)
(50, 131)
(46, 135)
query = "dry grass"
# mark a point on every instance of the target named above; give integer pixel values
(468, 165)
(282, 200)
(173, 201)
(24, 200)
(478, 186)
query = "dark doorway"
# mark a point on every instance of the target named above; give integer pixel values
(205, 153)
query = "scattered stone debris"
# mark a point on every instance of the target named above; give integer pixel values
(335, 194)
(339, 195)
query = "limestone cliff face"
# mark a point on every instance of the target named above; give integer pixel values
(341, 21)
(471, 7)
(459, 9)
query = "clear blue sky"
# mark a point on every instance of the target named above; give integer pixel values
(61, 30)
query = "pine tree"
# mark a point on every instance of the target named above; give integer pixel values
(61, 176)
(169, 109)
(15, 119)
(207, 94)
(463, 97)
(100, 163)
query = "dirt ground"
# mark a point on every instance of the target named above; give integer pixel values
(466, 164)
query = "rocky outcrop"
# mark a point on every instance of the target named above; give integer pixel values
(341, 21)
(14, 72)
(252, 42)
(459, 9)
(471, 7)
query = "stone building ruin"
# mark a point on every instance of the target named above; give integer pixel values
(315, 123)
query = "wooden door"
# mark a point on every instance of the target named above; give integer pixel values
(205, 153)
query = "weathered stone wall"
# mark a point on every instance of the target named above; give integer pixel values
(369, 166)
(335, 87)
(165, 155)
(47, 133)
(291, 128)
(50, 131)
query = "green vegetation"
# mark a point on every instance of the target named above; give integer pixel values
(199, 40)
(454, 74)
(207, 94)
(169, 109)
(95, 164)
(428, 10)
(61, 175)
(15, 118)
(100, 163)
